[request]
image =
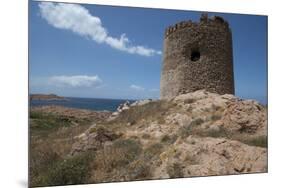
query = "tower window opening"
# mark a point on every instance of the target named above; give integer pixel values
(195, 55)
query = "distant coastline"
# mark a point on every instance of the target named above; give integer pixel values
(48, 97)
(95, 104)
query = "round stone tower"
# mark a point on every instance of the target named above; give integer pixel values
(197, 56)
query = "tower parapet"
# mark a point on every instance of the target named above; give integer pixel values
(204, 20)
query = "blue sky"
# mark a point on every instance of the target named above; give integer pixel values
(115, 52)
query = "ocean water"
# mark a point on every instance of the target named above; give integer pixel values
(83, 103)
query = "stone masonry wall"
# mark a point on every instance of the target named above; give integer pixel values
(197, 56)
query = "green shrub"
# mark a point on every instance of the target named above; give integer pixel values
(153, 151)
(260, 141)
(161, 120)
(42, 157)
(131, 148)
(196, 122)
(92, 130)
(146, 136)
(169, 139)
(139, 170)
(46, 121)
(216, 108)
(189, 159)
(185, 131)
(217, 133)
(69, 171)
(189, 101)
(190, 129)
(36, 115)
(215, 117)
(121, 153)
(175, 170)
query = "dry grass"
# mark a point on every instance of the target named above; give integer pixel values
(121, 159)
(190, 129)
(215, 117)
(40, 159)
(217, 133)
(44, 124)
(175, 170)
(194, 129)
(114, 157)
(190, 160)
(67, 171)
(153, 110)
(153, 151)
(139, 170)
(146, 136)
(52, 137)
(259, 141)
(169, 139)
(189, 101)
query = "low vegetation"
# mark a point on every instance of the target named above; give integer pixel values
(220, 132)
(191, 128)
(67, 171)
(175, 170)
(46, 122)
(169, 139)
(144, 142)
(260, 141)
(43, 124)
(152, 110)
(51, 140)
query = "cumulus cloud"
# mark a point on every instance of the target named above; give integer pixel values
(136, 87)
(79, 20)
(75, 81)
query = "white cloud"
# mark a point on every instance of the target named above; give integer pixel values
(79, 20)
(75, 81)
(136, 88)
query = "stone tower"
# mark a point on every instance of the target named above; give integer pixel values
(197, 56)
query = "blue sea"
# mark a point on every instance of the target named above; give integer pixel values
(83, 103)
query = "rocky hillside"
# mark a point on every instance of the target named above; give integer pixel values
(194, 134)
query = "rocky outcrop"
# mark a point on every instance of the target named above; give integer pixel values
(120, 108)
(194, 134)
(126, 106)
(197, 156)
(225, 111)
(141, 102)
(245, 116)
(93, 139)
